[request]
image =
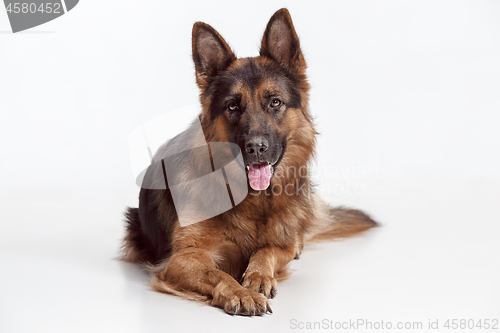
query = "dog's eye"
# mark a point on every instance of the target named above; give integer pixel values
(233, 106)
(275, 103)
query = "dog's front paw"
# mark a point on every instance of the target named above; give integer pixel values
(263, 284)
(242, 302)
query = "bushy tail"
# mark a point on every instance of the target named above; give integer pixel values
(340, 222)
(136, 247)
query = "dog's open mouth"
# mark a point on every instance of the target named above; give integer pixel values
(259, 175)
(260, 172)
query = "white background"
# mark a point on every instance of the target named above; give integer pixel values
(406, 98)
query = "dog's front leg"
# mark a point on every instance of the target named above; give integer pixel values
(263, 266)
(193, 271)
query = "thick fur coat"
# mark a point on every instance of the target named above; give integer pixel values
(234, 260)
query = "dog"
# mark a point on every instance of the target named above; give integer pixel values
(233, 260)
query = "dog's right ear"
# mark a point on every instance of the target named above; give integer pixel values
(211, 54)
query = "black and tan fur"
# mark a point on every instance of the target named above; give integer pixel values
(233, 261)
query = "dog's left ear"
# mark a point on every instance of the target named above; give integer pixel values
(281, 43)
(211, 54)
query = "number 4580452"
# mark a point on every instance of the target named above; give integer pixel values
(32, 8)
(471, 323)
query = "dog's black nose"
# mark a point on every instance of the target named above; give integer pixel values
(257, 146)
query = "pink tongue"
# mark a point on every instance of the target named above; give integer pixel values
(259, 176)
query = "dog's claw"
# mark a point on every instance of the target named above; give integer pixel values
(235, 309)
(273, 292)
(269, 310)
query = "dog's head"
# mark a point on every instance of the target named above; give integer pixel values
(258, 103)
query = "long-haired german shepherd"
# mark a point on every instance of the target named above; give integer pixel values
(233, 260)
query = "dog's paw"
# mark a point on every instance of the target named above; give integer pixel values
(264, 284)
(243, 302)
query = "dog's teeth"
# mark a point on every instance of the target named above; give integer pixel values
(248, 168)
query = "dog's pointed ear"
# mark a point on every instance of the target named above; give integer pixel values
(281, 43)
(211, 54)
